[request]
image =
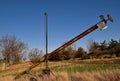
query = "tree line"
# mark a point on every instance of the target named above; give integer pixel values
(14, 50)
(100, 50)
(104, 49)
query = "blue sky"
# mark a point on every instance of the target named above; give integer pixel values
(67, 18)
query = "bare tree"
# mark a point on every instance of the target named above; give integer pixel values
(80, 52)
(35, 55)
(12, 49)
(93, 45)
(65, 54)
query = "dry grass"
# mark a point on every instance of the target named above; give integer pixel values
(107, 75)
(65, 71)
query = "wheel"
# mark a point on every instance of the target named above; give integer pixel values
(32, 79)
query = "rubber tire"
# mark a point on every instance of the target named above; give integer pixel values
(32, 79)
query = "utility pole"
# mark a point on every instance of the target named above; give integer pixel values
(46, 59)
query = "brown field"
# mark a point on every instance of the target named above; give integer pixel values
(85, 76)
(64, 71)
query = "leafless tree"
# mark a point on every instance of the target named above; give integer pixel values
(92, 46)
(12, 49)
(80, 52)
(35, 55)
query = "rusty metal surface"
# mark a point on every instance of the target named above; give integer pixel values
(60, 48)
(75, 39)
